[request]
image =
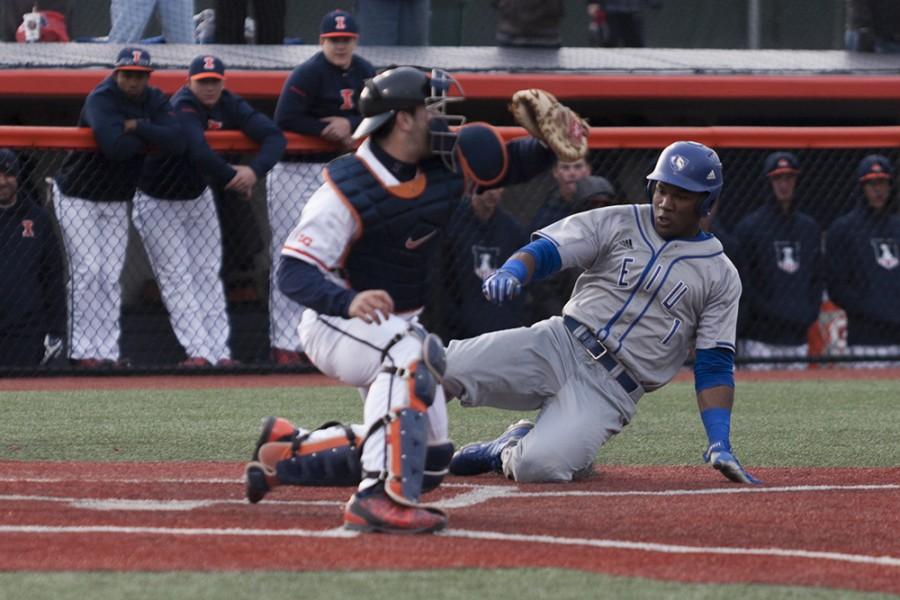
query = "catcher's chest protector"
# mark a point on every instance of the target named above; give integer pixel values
(400, 227)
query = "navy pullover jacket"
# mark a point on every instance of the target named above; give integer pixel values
(863, 249)
(33, 302)
(315, 89)
(111, 174)
(780, 262)
(185, 176)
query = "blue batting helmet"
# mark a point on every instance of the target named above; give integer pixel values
(690, 166)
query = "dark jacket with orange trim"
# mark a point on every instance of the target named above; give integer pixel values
(111, 173)
(185, 176)
(400, 235)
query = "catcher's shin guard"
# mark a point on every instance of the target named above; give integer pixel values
(332, 461)
(274, 429)
(437, 464)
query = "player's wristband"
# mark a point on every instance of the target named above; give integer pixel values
(717, 422)
(516, 268)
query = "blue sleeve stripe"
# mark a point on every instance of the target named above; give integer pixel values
(713, 367)
(546, 258)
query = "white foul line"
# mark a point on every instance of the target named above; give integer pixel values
(673, 549)
(889, 561)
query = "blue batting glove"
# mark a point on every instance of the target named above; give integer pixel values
(501, 286)
(719, 455)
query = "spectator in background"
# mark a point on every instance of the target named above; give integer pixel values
(129, 18)
(575, 188)
(91, 195)
(872, 26)
(175, 214)
(319, 98)
(32, 305)
(268, 17)
(780, 263)
(394, 22)
(480, 237)
(529, 23)
(618, 23)
(14, 11)
(863, 250)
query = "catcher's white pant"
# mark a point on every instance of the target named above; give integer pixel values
(351, 350)
(758, 349)
(183, 241)
(130, 17)
(95, 235)
(288, 187)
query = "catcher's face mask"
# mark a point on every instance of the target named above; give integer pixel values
(444, 89)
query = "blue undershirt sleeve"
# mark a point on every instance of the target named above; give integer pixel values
(546, 258)
(713, 367)
(306, 285)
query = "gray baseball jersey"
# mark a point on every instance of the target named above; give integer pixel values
(650, 301)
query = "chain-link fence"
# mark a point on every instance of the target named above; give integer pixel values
(130, 279)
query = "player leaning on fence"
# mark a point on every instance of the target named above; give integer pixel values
(91, 195)
(175, 213)
(654, 287)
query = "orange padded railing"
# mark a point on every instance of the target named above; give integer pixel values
(600, 137)
(33, 83)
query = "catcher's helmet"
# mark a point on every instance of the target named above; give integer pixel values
(874, 166)
(690, 166)
(404, 88)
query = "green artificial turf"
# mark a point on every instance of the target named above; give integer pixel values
(804, 423)
(468, 584)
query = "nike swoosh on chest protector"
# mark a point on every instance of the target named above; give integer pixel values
(412, 244)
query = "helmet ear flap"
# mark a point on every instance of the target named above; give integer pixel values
(651, 185)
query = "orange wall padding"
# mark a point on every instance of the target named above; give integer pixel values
(33, 83)
(600, 137)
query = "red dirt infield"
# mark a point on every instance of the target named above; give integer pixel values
(833, 528)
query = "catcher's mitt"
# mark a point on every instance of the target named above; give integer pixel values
(555, 124)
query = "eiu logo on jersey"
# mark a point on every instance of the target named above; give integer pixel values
(487, 259)
(886, 252)
(27, 228)
(787, 256)
(675, 295)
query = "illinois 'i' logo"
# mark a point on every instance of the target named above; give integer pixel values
(340, 22)
(27, 228)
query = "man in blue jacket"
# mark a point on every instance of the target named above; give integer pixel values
(32, 305)
(863, 249)
(779, 260)
(175, 213)
(91, 195)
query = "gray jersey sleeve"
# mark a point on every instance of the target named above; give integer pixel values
(718, 320)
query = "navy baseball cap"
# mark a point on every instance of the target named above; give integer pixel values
(207, 66)
(9, 162)
(338, 23)
(874, 166)
(133, 59)
(778, 163)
